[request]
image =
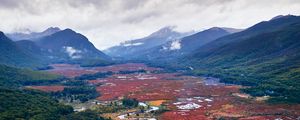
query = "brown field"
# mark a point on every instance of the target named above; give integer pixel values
(143, 87)
(227, 101)
(157, 102)
(187, 97)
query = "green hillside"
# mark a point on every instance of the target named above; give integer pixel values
(32, 105)
(268, 59)
(13, 77)
(12, 54)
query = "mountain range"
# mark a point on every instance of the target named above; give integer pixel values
(132, 48)
(265, 56)
(13, 54)
(50, 46)
(67, 44)
(184, 46)
(32, 35)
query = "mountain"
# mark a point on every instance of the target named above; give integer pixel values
(231, 30)
(12, 77)
(180, 47)
(260, 28)
(265, 56)
(69, 45)
(12, 54)
(32, 48)
(134, 47)
(33, 35)
(62, 46)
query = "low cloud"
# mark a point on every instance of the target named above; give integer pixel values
(72, 52)
(175, 45)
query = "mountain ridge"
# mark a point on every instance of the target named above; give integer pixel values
(32, 35)
(72, 43)
(12, 54)
(133, 47)
(266, 54)
(181, 47)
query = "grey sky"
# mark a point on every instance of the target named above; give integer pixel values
(108, 22)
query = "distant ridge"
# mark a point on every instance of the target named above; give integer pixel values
(33, 35)
(264, 56)
(67, 44)
(131, 48)
(56, 46)
(181, 47)
(11, 54)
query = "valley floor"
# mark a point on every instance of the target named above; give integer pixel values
(169, 96)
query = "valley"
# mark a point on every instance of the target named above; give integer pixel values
(126, 68)
(163, 95)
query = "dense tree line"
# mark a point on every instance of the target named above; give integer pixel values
(95, 63)
(282, 86)
(30, 105)
(15, 77)
(81, 93)
(129, 102)
(75, 83)
(35, 105)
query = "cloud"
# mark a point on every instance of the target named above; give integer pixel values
(175, 45)
(9, 3)
(72, 52)
(109, 22)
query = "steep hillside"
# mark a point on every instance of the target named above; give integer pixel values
(69, 45)
(14, 77)
(35, 51)
(178, 48)
(16, 104)
(62, 46)
(35, 105)
(12, 54)
(134, 47)
(262, 27)
(265, 56)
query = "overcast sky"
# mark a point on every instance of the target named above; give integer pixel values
(108, 22)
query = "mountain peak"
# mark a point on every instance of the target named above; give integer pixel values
(70, 45)
(167, 28)
(227, 29)
(232, 30)
(1, 33)
(281, 16)
(69, 30)
(52, 29)
(163, 31)
(3, 36)
(215, 28)
(33, 35)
